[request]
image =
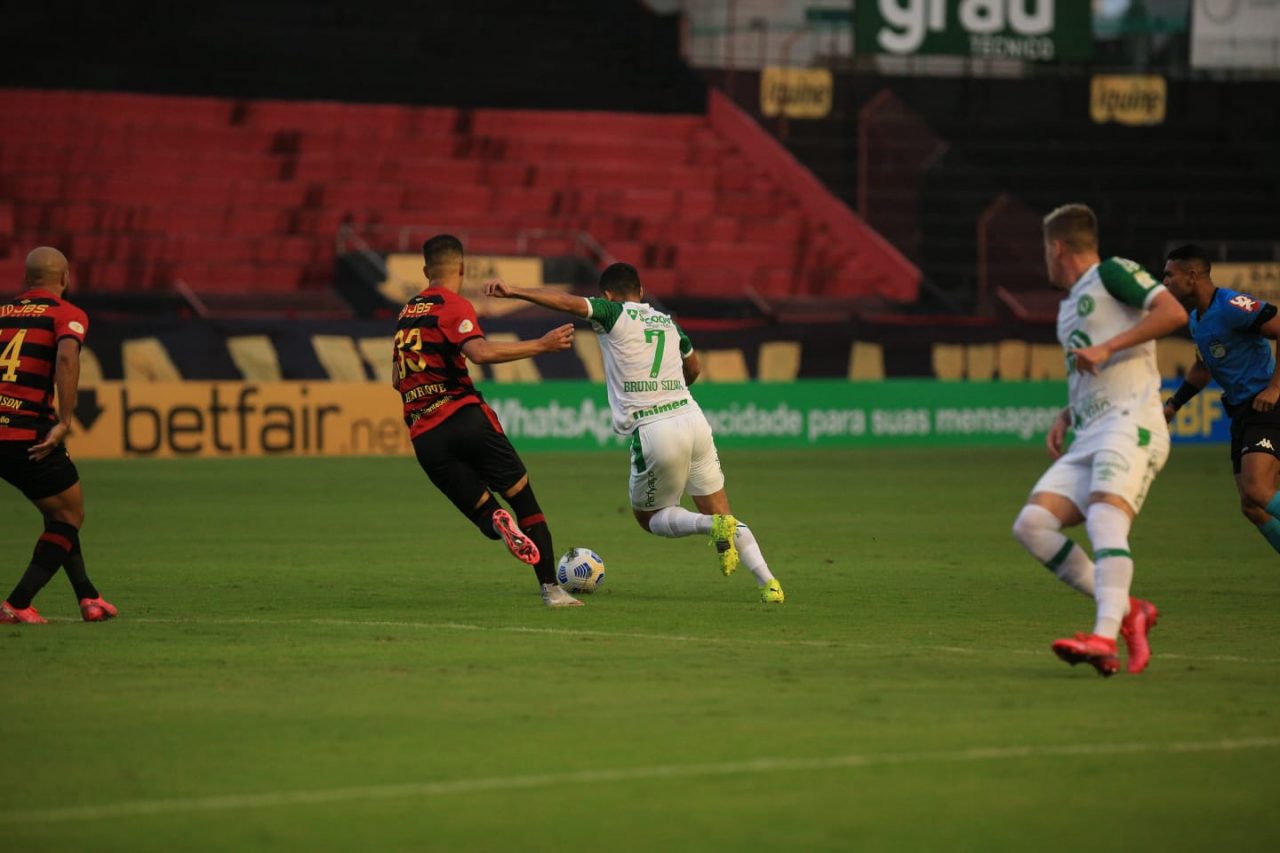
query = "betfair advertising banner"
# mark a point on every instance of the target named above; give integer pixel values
(226, 419)
(1035, 30)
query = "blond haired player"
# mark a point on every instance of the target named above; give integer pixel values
(1110, 316)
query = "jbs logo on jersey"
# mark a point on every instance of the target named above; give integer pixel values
(417, 309)
(25, 309)
(1244, 303)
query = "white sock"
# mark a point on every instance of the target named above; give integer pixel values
(1039, 531)
(674, 522)
(750, 554)
(1109, 532)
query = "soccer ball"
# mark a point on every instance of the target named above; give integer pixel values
(580, 570)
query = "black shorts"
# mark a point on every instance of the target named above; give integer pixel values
(468, 454)
(51, 476)
(1254, 432)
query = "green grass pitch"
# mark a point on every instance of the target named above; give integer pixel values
(321, 654)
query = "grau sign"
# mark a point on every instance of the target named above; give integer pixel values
(1034, 30)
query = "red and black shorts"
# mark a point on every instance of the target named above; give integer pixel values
(37, 480)
(467, 454)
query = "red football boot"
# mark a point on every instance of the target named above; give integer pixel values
(1142, 617)
(27, 616)
(1099, 652)
(97, 609)
(520, 546)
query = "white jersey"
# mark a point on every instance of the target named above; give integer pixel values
(643, 351)
(1109, 298)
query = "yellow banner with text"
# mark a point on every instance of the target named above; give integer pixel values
(119, 420)
(1132, 99)
(796, 92)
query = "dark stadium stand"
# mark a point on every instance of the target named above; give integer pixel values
(247, 196)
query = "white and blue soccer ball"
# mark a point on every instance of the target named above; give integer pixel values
(580, 570)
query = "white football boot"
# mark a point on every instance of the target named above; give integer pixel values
(554, 596)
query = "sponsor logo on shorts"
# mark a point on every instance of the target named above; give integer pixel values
(1266, 444)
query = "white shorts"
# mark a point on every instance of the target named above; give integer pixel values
(1118, 463)
(671, 455)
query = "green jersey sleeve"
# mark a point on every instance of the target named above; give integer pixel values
(1128, 282)
(603, 312)
(686, 346)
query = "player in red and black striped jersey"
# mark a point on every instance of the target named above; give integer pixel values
(456, 436)
(40, 338)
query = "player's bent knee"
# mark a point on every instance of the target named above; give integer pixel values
(1256, 494)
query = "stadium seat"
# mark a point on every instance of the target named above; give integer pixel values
(250, 194)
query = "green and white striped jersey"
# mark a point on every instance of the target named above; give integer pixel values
(1108, 299)
(643, 351)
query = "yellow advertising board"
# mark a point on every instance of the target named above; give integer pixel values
(796, 92)
(1260, 280)
(119, 420)
(405, 279)
(1132, 99)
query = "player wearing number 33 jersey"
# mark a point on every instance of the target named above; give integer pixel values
(649, 364)
(457, 438)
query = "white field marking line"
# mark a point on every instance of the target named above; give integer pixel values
(632, 635)
(269, 799)
(636, 635)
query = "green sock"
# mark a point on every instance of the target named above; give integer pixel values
(1271, 531)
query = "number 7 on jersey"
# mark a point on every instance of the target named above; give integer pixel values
(660, 335)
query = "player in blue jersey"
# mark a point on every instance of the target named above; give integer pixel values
(1233, 333)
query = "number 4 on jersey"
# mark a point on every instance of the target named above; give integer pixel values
(12, 357)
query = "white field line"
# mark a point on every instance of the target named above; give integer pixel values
(888, 648)
(270, 799)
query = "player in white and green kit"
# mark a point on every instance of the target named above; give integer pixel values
(649, 365)
(1108, 322)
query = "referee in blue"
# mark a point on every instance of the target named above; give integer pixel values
(1233, 333)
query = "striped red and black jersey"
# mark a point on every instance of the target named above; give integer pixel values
(31, 325)
(429, 368)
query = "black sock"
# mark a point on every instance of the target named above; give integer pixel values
(530, 519)
(482, 516)
(74, 567)
(51, 551)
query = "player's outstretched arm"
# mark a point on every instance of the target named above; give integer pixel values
(1193, 383)
(66, 379)
(481, 351)
(545, 296)
(1166, 315)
